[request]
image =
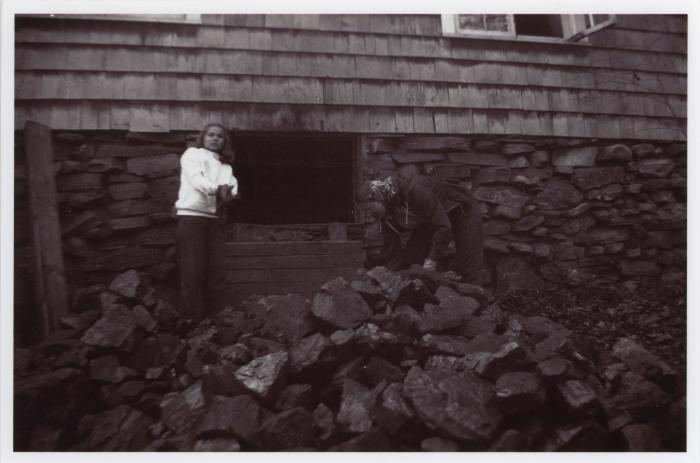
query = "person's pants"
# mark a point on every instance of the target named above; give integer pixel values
(201, 258)
(468, 235)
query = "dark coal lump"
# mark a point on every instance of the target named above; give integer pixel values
(406, 361)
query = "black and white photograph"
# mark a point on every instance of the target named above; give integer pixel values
(367, 232)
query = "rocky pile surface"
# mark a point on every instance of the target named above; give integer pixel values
(404, 361)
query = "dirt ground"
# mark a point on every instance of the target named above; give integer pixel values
(652, 313)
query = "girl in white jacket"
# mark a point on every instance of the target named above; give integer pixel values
(207, 184)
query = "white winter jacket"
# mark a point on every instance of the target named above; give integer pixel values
(201, 173)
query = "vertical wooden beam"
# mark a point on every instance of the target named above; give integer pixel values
(50, 282)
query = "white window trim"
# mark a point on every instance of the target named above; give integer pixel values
(612, 20)
(449, 29)
(156, 18)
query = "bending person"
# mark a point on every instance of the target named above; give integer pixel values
(420, 216)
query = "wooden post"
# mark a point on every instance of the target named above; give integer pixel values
(50, 282)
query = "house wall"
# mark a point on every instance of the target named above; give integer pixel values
(350, 73)
(575, 152)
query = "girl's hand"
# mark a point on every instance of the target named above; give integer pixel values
(223, 194)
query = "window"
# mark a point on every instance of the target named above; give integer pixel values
(571, 27)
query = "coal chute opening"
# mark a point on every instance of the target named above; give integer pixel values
(293, 179)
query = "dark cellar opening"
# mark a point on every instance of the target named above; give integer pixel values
(293, 179)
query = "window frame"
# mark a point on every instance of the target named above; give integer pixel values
(571, 32)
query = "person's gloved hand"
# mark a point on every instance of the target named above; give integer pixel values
(223, 194)
(429, 264)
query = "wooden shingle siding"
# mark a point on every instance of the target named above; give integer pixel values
(350, 73)
(362, 92)
(430, 48)
(149, 60)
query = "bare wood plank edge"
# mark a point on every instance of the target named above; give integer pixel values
(52, 296)
(287, 275)
(299, 261)
(292, 248)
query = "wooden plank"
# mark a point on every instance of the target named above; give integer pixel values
(441, 120)
(480, 119)
(290, 248)
(149, 118)
(337, 231)
(560, 126)
(295, 262)
(270, 90)
(305, 91)
(284, 275)
(382, 120)
(460, 121)
(338, 91)
(305, 64)
(421, 69)
(50, 283)
(640, 40)
(423, 120)
(404, 120)
(238, 292)
(497, 119)
(530, 123)
(514, 122)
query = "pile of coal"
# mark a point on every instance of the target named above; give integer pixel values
(407, 361)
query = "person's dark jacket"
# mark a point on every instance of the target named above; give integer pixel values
(420, 206)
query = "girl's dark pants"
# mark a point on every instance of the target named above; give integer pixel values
(201, 258)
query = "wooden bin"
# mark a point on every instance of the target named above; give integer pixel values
(288, 266)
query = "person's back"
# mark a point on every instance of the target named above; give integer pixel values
(449, 211)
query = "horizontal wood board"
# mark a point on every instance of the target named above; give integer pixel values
(366, 74)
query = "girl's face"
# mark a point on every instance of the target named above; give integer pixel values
(214, 139)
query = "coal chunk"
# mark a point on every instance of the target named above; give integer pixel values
(356, 407)
(394, 409)
(340, 305)
(181, 410)
(287, 319)
(519, 391)
(127, 284)
(265, 375)
(116, 329)
(290, 429)
(296, 395)
(456, 403)
(578, 397)
(241, 417)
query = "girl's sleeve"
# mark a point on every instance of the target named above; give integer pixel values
(193, 169)
(230, 180)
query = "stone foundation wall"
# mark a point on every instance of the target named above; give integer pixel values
(560, 211)
(556, 210)
(115, 194)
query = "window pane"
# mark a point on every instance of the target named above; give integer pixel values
(482, 22)
(542, 25)
(496, 22)
(472, 22)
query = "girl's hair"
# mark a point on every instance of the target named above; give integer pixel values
(227, 152)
